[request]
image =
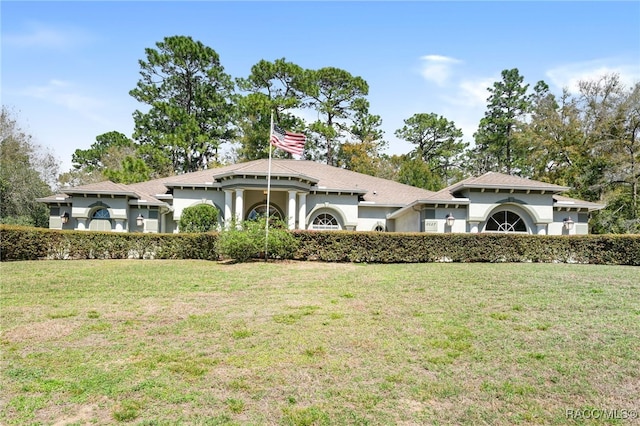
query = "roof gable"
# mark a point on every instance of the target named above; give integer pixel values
(562, 202)
(110, 188)
(495, 180)
(104, 186)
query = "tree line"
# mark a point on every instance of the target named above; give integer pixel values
(588, 141)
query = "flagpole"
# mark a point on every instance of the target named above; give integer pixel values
(266, 230)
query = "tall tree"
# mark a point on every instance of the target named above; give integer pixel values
(415, 172)
(591, 143)
(554, 135)
(506, 109)
(438, 142)
(191, 105)
(628, 120)
(95, 157)
(22, 178)
(598, 102)
(272, 87)
(112, 156)
(362, 152)
(612, 125)
(130, 170)
(336, 96)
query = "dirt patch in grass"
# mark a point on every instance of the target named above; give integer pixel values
(42, 331)
(77, 415)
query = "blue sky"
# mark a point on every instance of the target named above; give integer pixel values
(68, 67)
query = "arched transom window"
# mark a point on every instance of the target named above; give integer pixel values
(325, 222)
(505, 221)
(101, 214)
(380, 228)
(261, 211)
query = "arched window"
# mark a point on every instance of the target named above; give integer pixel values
(100, 220)
(261, 211)
(505, 221)
(101, 214)
(325, 222)
(380, 228)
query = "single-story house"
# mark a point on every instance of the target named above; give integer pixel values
(310, 195)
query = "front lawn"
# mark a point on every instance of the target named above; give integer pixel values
(302, 343)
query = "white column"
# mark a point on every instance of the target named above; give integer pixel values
(228, 204)
(239, 204)
(473, 227)
(302, 210)
(82, 223)
(119, 225)
(291, 211)
(542, 229)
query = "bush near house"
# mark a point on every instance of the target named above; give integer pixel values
(247, 240)
(200, 218)
(22, 243)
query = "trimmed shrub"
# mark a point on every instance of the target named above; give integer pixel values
(200, 218)
(247, 240)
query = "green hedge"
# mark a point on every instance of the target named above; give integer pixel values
(22, 243)
(375, 247)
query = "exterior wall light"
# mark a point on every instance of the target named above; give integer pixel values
(65, 218)
(140, 220)
(568, 223)
(449, 220)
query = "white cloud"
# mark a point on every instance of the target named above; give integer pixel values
(437, 68)
(466, 103)
(65, 94)
(37, 35)
(471, 93)
(567, 76)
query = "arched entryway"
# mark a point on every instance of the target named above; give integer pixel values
(260, 210)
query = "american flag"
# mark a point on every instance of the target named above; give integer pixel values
(293, 143)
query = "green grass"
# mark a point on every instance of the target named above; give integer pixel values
(293, 343)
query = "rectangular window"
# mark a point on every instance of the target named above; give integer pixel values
(54, 211)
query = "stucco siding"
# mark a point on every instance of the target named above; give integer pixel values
(460, 223)
(345, 205)
(183, 198)
(83, 207)
(538, 206)
(370, 217)
(409, 222)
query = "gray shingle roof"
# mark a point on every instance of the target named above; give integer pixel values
(107, 188)
(322, 176)
(495, 180)
(573, 203)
